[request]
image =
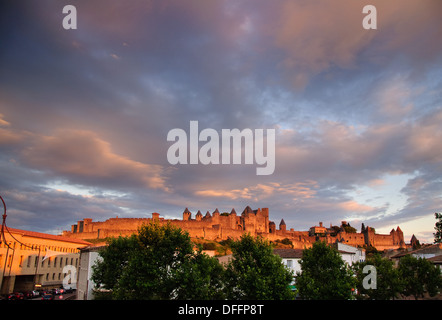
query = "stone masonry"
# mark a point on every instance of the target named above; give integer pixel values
(216, 226)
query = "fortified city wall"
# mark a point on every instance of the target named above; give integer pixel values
(216, 226)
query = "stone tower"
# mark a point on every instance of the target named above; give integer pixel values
(187, 215)
(282, 225)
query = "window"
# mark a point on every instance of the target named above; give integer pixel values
(290, 264)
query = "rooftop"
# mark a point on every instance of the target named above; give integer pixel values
(289, 253)
(47, 236)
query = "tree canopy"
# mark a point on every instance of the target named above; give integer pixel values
(157, 263)
(438, 228)
(324, 276)
(160, 262)
(388, 282)
(256, 273)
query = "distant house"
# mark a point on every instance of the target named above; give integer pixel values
(350, 254)
(437, 260)
(290, 258)
(426, 252)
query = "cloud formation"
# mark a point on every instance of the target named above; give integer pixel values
(82, 157)
(84, 114)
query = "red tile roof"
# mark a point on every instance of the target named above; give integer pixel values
(288, 253)
(46, 236)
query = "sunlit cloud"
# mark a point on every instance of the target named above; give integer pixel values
(84, 115)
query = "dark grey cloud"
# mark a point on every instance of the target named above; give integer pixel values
(91, 107)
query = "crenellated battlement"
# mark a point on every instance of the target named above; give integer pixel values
(222, 226)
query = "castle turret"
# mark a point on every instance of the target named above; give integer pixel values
(400, 237)
(155, 216)
(272, 227)
(187, 215)
(282, 225)
(247, 211)
(233, 220)
(198, 216)
(215, 216)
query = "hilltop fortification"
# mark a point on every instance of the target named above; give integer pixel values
(221, 226)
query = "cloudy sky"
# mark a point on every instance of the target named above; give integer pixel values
(85, 113)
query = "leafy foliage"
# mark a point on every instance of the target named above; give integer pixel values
(388, 282)
(419, 276)
(255, 273)
(157, 263)
(324, 274)
(438, 228)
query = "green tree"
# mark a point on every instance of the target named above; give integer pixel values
(324, 275)
(157, 263)
(113, 259)
(388, 283)
(438, 228)
(201, 279)
(419, 276)
(256, 273)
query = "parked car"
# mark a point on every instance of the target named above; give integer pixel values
(55, 291)
(48, 296)
(28, 294)
(16, 296)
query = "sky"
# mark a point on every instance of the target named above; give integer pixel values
(85, 113)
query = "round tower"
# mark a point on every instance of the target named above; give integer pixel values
(282, 225)
(187, 215)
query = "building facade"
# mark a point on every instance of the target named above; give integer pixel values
(32, 260)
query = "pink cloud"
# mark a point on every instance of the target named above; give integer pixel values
(84, 157)
(261, 191)
(315, 36)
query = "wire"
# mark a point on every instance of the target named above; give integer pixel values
(4, 226)
(4, 223)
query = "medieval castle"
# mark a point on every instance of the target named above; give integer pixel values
(218, 226)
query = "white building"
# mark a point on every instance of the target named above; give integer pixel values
(85, 286)
(432, 253)
(290, 258)
(350, 254)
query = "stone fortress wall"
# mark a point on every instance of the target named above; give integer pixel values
(216, 226)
